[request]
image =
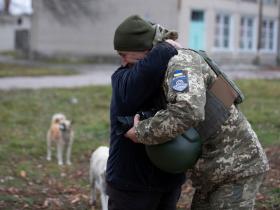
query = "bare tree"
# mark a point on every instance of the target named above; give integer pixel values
(278, 48)
(259, 37)
(7, 4)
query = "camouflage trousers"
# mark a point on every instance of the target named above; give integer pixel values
(236, 195)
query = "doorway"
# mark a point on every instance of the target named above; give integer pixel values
(197, 30)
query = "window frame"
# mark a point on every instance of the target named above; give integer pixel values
(254, 33)
(266, 49)
(221, 28)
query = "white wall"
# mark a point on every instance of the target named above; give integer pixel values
(236, 9)
(94, 37)
(7, 37)
(8, 26)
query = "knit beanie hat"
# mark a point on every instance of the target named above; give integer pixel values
(134, 34)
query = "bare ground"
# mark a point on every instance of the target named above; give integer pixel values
(52, 193)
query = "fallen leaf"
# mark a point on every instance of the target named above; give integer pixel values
(13, 190)
(79, 173)
(63, 174)
(71, 190)
(23, 174)
(46, 203)
(75, 200)
(85, 196)
(40, 166)
(57, 202)
(260, 197)
(25, 206)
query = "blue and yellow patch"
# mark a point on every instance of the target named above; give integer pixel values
(180, 81)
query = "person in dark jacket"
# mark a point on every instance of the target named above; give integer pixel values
(133, 182)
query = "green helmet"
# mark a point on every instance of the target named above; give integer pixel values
(178, 155)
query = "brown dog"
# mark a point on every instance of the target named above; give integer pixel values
(61, 133)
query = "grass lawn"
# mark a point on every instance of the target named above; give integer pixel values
(28, 181)
(13, 70)
(261, 107)
(26, 178)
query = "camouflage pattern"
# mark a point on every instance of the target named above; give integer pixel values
(184, 110)
(239, 195)
(162, 34)
(234, 151)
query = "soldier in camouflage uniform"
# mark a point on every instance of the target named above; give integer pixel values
(232, 164)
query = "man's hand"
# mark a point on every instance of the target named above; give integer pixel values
(175, 44)
(131, 132)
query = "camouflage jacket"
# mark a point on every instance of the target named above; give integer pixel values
(233, 152)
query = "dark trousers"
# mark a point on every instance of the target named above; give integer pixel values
(124, 200)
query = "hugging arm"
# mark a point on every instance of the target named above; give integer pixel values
(146, 76)
(185, 108)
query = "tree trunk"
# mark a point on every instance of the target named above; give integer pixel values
(7, 6)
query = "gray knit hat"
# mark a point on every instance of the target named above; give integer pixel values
(134, 34)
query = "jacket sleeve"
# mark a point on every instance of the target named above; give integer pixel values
(186, 95)
(146, 76)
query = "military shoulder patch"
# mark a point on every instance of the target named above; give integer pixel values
(180, 81)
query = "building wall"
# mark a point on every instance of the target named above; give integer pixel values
(93, 36)
(6, 37)
(8, 26)
(236, 9)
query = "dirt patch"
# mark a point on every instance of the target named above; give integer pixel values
(53, 193)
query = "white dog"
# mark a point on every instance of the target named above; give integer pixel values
(62, 134)
(98, 163)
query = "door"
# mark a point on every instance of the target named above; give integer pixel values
(22, 40)
(197, 30)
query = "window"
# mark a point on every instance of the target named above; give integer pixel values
(247, 28)
(268, 35)
(251, 1)
(270, 2)
(222, 31)
(266, 2)
(197, 15)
